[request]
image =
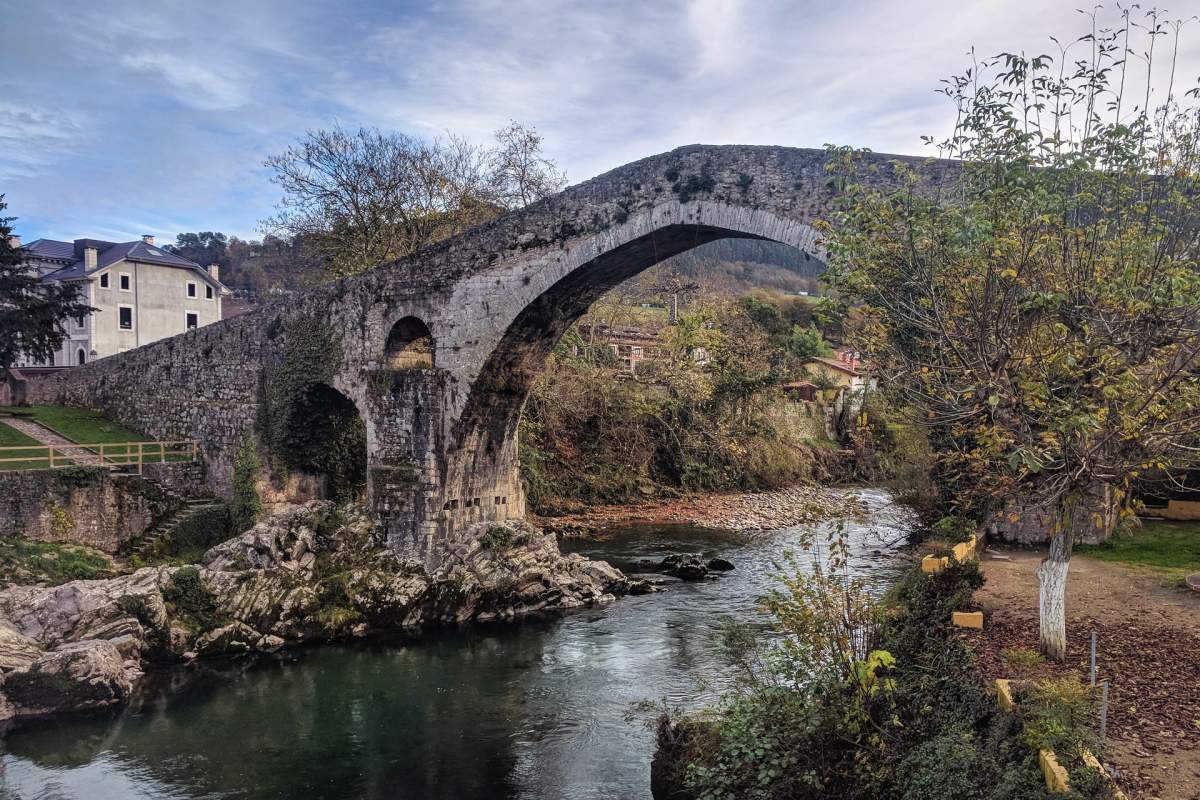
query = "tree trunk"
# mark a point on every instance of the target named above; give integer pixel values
(1052, 597)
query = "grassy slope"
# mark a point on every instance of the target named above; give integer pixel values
(10, 437)
(23, 561)
(86, 426)
(80, 424)
(1172, 548)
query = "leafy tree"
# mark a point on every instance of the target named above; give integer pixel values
(1040, 306)
(364, 197)
(31, 312)
(808, 342)
(207, 247)
(520, 173)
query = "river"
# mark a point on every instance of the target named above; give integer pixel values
(538, 710)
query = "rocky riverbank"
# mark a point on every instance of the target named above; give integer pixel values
(308, 573)
(748, 512)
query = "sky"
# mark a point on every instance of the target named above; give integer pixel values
(121, 118)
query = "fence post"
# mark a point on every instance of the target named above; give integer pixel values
(139, 457)
(1093, 673)
(1103, 711)
(51, 449)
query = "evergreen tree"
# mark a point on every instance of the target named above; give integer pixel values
(31, 312)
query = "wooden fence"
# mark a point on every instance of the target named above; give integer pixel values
(104, 454)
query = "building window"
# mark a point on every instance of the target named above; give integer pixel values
(104, 280)
(208, 293)
(125, 317)
(124, 282)
(80, 323)
(191, 289)
(81, 357)
(192, 321)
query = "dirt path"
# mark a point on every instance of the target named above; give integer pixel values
(1149, 651)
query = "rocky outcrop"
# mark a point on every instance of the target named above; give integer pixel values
(309, 572)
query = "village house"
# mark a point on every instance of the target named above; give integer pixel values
(631, 345)
(141, 294)
(843, 371)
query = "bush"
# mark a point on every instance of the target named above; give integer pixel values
(245, 504)
(898, 713)
(189, 602)
(502, 537)
(942, 768)
(1058, 714)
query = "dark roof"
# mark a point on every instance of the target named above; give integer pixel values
(140, 251)
(48, 248)
(109, 254)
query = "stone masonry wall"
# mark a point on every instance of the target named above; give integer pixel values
(80, 505)
(441, 445)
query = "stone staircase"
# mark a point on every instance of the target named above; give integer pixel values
(144, 545)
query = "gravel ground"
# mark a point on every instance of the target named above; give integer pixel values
(748, 512)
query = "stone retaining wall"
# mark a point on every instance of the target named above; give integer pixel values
(86, 505)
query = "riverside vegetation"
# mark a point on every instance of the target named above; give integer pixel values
(696, 418)
(851, 696)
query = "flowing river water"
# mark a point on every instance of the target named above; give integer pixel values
(538, 710)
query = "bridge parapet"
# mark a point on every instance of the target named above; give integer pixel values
(438, 351)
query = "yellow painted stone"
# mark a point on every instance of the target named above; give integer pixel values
(934, 563)
(1004, 694)
(1094, 763)
(1053, 772)
(967, 619)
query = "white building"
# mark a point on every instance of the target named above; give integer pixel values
(141, 293)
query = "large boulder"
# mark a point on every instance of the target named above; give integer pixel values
(17, 651)
(76, 676)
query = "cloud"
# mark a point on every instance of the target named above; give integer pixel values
(172, 107)
(199, 85)
(34, 138)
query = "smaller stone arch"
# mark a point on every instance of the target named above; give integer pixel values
(81, 357)
(409, 345)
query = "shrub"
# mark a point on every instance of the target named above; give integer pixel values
(245, 504)
(942, 768)
(1058, 714)
(502, 537)
(190, 602)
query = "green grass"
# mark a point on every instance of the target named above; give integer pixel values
(24, 561)
(10, 437)
(80, 424)
(86, 426)
(1172, 548)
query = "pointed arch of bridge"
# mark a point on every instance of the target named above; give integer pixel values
(487, 425)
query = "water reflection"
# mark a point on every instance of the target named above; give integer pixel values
(532, 711)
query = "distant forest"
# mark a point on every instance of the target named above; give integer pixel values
(735, 266)
(726, 266)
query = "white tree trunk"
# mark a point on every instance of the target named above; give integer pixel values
(1052, 597)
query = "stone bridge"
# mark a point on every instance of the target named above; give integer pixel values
(437, 351)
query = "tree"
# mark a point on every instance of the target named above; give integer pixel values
(808, 342)
(31, 311)
(1041, 307)
(520, 174)
(207, 247)
(362, 198)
